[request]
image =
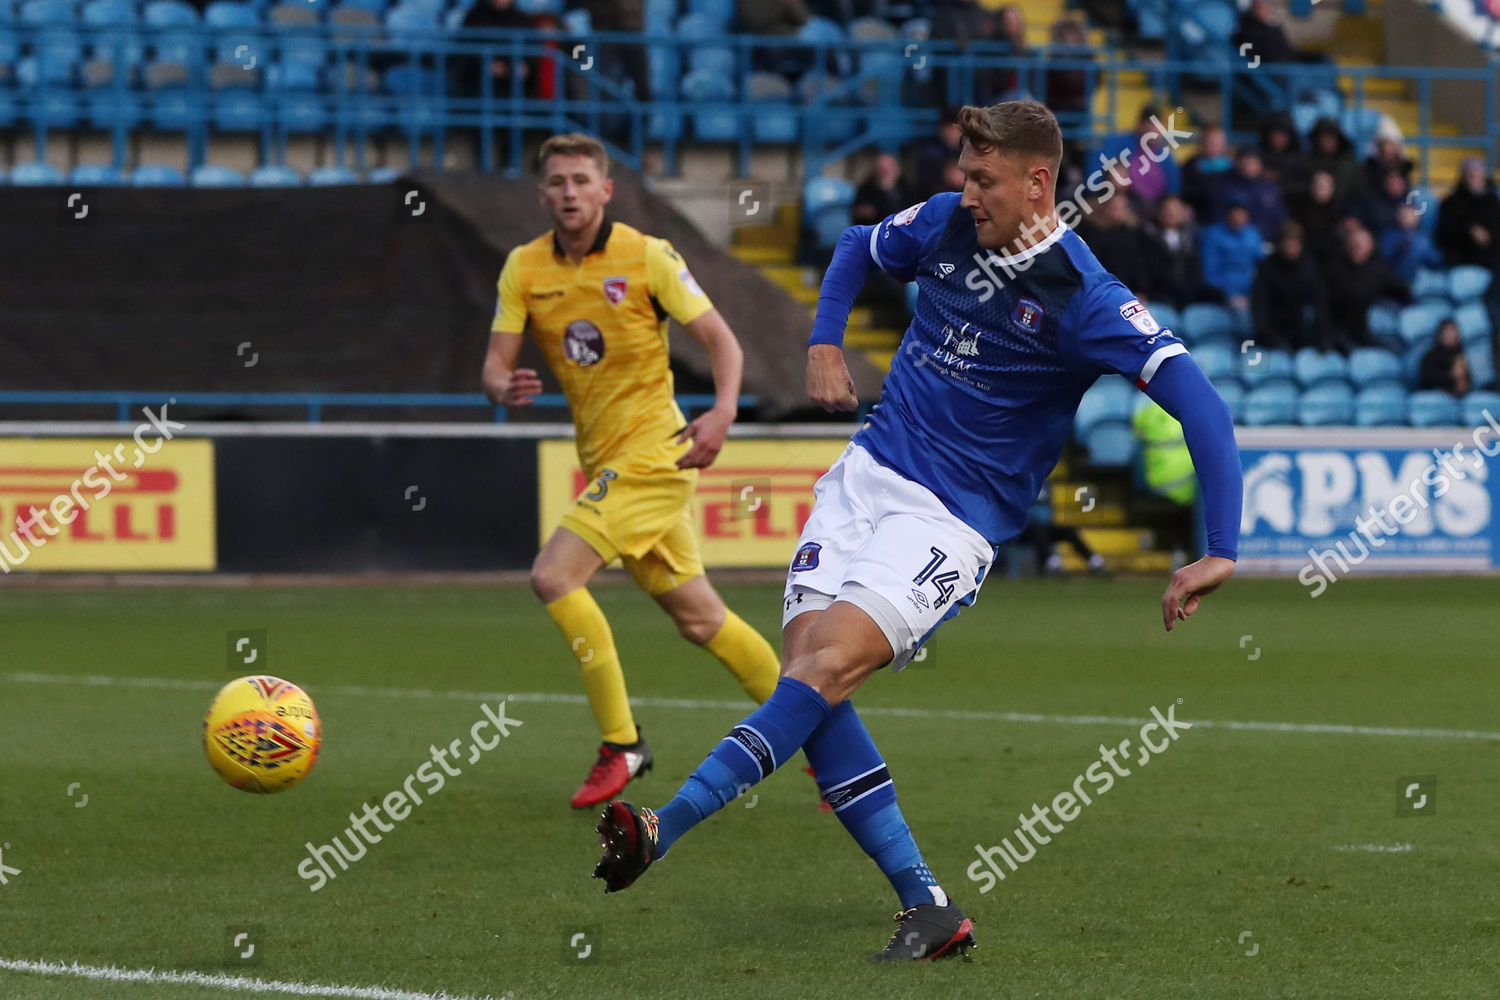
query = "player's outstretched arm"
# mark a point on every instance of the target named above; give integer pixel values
(727, 359)
(1181, 389)
(504, 383)
(828, 381)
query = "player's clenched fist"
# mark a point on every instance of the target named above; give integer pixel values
(828, 381)
(516, 388)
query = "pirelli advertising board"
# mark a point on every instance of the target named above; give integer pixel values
(750, 505)
(127, 504)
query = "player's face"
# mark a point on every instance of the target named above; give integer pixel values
(1004, 192)
(574, 192)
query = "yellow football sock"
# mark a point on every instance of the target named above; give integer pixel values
(587, 632)
(747, 655)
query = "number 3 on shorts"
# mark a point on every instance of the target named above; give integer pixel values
(605, 477)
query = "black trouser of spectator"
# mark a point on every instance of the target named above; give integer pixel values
(1044, 537)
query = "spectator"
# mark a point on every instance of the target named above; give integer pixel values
(1069, 91)
(1167, 468)
(962, 22)
(1007, 84)
(1407, 248)
(1174, 270)
(1247, 185)
(1444, 366)
(489, 15)
(1114, 233)
(771, 17)
(1205, 171)
(1281, 155)
(1288, 308)
(1468, 229)
(1261, 29)
(1148, 180)
(1231, 249)
(1357, 279)
(1388, 154)
(1333, 152)
(885, 192)
(628, 59)
(934, 155)
(1376, 206)
(1320, 214)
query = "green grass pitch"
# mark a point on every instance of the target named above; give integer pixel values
(1239, 863)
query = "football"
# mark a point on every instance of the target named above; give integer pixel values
(262, 734)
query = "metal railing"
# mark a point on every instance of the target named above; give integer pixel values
(314, 403)
(850, 95)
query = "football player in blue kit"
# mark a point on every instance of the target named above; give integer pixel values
(1015, 319)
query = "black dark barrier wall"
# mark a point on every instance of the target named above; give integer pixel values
(295, 504)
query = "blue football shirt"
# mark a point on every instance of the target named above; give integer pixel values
(981, 396)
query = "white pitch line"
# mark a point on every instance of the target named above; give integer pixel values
(115, 974)
(1375, 848)
(694, 704)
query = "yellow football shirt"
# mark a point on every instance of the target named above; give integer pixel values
(602, 325)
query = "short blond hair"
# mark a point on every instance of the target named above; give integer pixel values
(1023, 128)
(573, 144)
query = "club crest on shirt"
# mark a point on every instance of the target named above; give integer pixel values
(1140, 317)
(806, 557)
(615, 289)
(583, 343)
(906, 215)
(1028, 314)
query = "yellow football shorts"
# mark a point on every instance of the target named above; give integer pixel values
(639, 508)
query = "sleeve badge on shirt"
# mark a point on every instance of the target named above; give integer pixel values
(906, 215)
(1140, 317)
(806, 557)
(615, 289)
(1028, 314)
(686, 277)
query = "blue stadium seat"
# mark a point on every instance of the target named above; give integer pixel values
(1430, 286)
(826, 204)
(1371, 366)
(376, 7)
(1417, 323)
(1481, 357)
(36, 175)
(1359, 124)
(1233, 394)
(822, 31)
(240, 111)
(1384, 323)
(835, 119)
(301, 114)
(1205, 321)
(1274, 403)
(1411, 363)
(1315, 368)
(1380, 406)
(711, 124)
(1215, 359)
(1111, 443)
(1432, 409)
(216, 175)
(1217, 19)
(1467, 281)
(1326, 405)
(577, 23)
(174, 46)
(153, 175)
(1473, 321)
(383, 175)
(332, 176)
(535, 7)
(1110, 398)
(1473, 406)
(720, 11)
(237, 38)
(1166, 317)
(123, 44)
(407, 24)
(96, 175)
(773, 118)
(275, 175)
(1259, 366)
(660, 15)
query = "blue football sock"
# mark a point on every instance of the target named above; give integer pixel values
(854, 780)
(765, 740)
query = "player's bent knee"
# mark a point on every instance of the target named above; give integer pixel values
(834, 671)
(697, 631)
(549, 583)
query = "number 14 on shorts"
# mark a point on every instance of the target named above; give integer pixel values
(929, 573)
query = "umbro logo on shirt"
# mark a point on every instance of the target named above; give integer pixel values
(946, 268)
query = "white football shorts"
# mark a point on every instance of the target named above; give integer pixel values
(888, 546)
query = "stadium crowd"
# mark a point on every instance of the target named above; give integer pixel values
(1298, 238)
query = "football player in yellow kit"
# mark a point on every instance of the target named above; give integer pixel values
(596, 295)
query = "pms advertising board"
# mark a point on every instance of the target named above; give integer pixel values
(1323, 504)
(750, 506)
(143, 503)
